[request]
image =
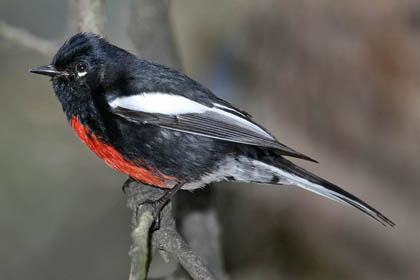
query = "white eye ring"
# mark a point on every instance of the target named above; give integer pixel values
(81, 74)
(81, 69)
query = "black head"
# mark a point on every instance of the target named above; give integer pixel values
(82, 60)
(83, 64)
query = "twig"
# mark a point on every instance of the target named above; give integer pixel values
(140, 247)
(25, 39)
(165, 238)
(197, 221)
(172, 242)
(92, 18)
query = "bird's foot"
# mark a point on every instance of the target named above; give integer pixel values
(157, 206)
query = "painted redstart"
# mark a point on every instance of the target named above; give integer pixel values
(162, 128)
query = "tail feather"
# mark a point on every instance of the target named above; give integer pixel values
(285, 172)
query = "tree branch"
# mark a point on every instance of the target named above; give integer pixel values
(172, 242)
(165, 238)
(92, 16)
(150, 30)
(198, 222)
(72, 24)
(140, 247)
(25, 39)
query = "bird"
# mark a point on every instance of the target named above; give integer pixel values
(162, 128)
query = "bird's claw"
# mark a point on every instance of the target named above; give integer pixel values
(157, 206)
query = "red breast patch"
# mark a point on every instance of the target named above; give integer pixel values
(115, 160)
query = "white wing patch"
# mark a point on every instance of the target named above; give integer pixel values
(168, 104)
(159, 103)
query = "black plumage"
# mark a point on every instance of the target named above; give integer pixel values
(138, 114)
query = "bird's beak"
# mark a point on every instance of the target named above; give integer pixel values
(48, 70)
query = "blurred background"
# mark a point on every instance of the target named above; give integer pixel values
(336, 80)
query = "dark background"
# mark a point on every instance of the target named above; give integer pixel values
(337, 80)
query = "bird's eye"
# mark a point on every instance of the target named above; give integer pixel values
(81, 67)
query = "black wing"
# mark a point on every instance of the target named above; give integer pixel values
(220, 122)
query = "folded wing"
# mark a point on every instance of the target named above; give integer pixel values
(214, 120)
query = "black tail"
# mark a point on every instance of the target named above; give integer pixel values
(288, 173)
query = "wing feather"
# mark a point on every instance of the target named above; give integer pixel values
(221, 121)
